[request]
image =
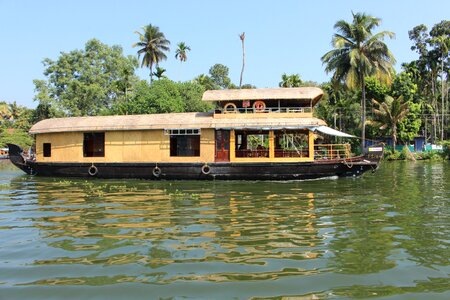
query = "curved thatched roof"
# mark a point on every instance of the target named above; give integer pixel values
(166, 121)
(304, 94)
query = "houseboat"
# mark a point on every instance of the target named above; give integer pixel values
(253, 134)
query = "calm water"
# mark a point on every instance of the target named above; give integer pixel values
(381, 236)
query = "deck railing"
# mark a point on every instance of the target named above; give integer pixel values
(252, 153)
(332, 151)
(251, 110)
(321, 151)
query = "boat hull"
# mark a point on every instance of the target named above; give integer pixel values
(193, 171)
(200, 171)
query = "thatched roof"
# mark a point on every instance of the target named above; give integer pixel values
(166, 121)
(312, 94)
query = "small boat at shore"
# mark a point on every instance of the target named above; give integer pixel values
(253, 134)
(4, 153)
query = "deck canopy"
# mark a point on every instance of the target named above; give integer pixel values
(303, 94)
(331, 131)
(167, 121)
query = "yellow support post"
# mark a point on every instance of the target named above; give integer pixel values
(271, 145)
(232, 145)
(311, 144)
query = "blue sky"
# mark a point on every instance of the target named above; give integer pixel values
(281, 36)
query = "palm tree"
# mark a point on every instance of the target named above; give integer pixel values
(181, 52)
(159, 73)
(389, 114)
(153, 44)
(242, 37)
(289, 81)
(206, 81)
(359, 53)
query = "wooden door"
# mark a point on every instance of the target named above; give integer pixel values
(222, 145)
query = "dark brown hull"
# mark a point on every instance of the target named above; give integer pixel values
(201, 171)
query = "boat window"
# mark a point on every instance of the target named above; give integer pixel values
(182, 131)
(184, 145)
(292, 143)
(252, 144)
(47, 149)
(94, 144)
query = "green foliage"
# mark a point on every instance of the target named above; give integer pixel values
(163, 96)
(341, 105)
(248, 86)
(45, 111)
(205, 81)
(404, 85)
(409, 127)
(15, 136)
(192, 93)
(83, 82)
(446, 149)
(159, 73)
(389, 114)
(432, 66)
(292, 80)
(429, 155)
(16, 116)
(390, 154)
(375, 89)
(404, 154)
(219, 75)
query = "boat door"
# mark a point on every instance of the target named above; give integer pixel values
(222, 145)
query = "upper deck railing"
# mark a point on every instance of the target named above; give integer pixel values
(251, 110)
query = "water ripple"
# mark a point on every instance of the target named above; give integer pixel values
(381, 235)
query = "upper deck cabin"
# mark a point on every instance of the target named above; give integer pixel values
(264, 103)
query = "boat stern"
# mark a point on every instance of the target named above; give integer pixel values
(374, 154)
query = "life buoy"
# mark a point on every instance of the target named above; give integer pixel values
(230, 107)
(259, 106)
(32, 171)
(156, 171)
(206, 169)
(92, 170)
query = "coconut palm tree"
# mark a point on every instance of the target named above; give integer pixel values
(152, 44)
(289, 81)
(389, 114)
(359, 53)
(159, 73)
(181, 52)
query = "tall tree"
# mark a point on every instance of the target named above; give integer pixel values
(219, 75)
(440, 39)
(433, 63)
(181, 52)
(83, 82)
(242, 37)
(359, 53)
(390, 113)
(153, 45)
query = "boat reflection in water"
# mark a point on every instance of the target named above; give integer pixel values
(226, 239)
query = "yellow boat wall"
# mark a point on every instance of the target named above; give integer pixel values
(121, 146)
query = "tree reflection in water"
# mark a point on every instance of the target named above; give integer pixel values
(377, 235)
